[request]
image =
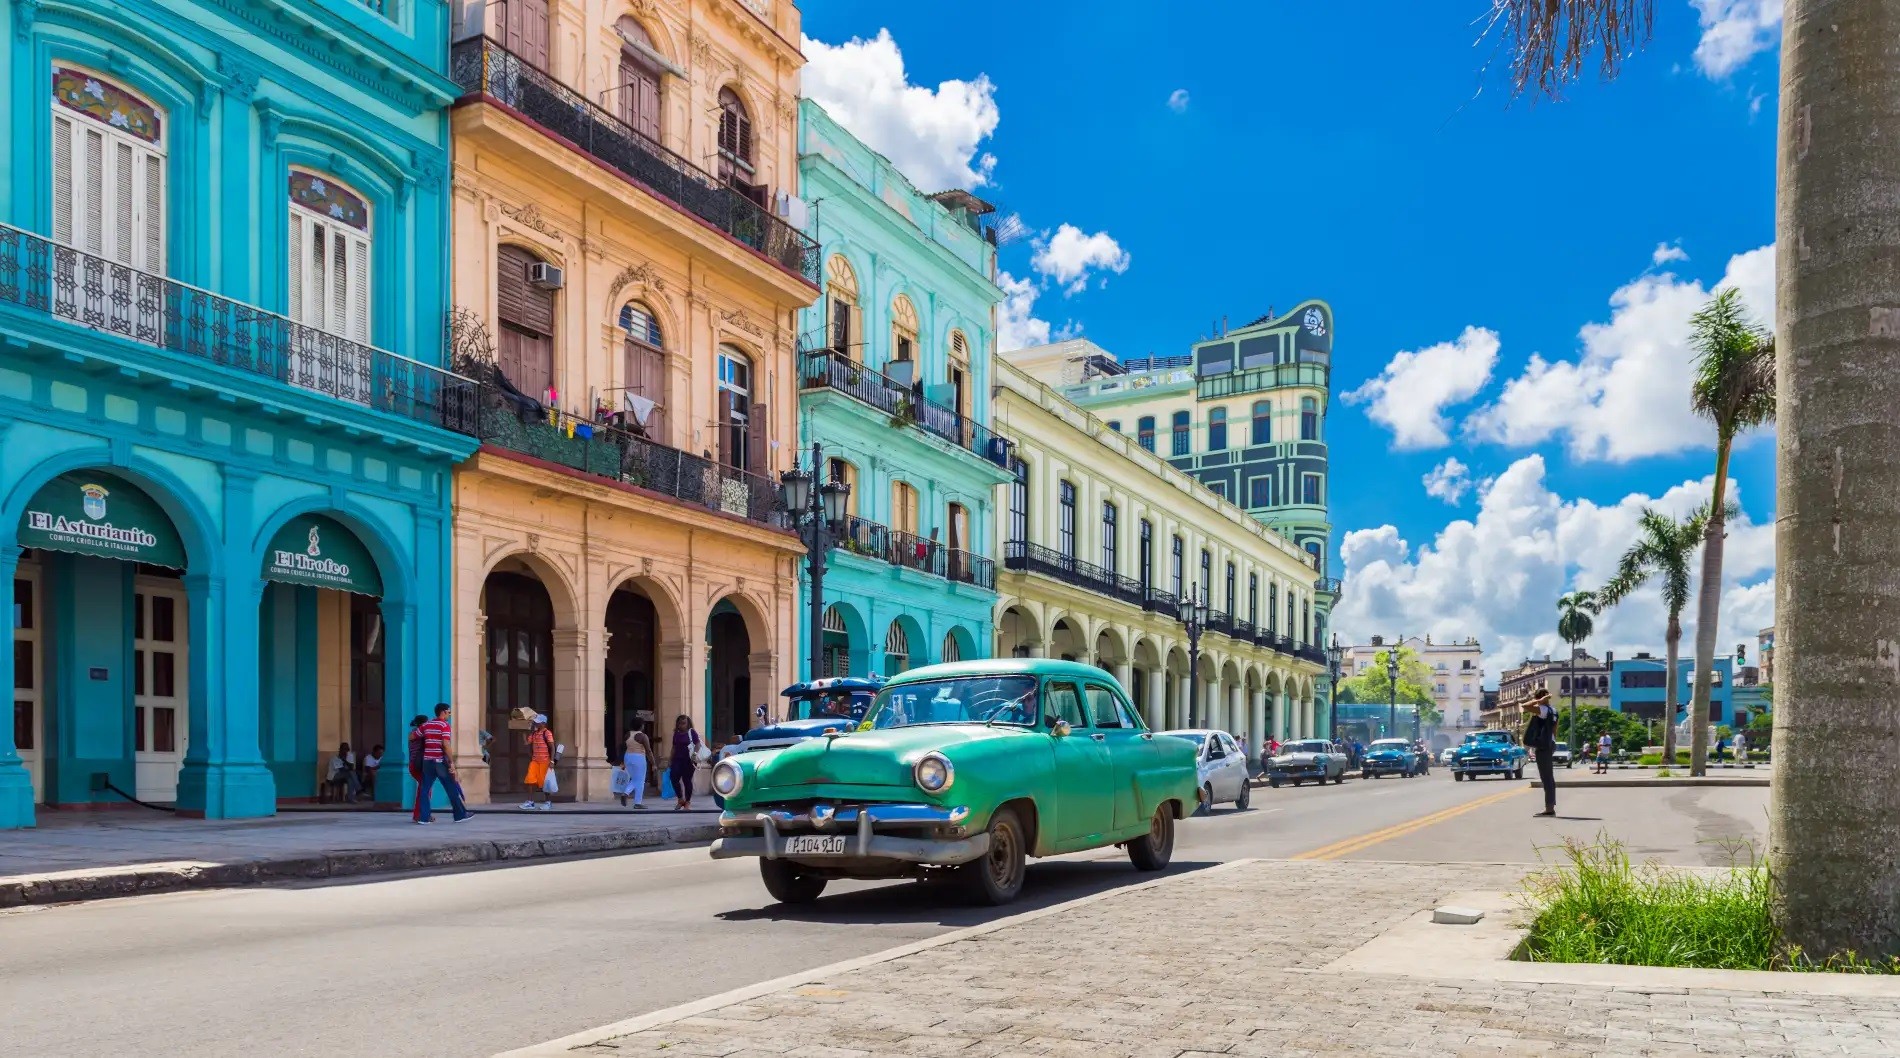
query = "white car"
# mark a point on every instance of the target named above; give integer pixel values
(1444, 756)
(1223, 767)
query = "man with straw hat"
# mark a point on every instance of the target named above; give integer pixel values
(1540, 737)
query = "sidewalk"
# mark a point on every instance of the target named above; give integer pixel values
(1252, 958)
(90, 855)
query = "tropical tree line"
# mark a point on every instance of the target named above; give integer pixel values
(1374, 687)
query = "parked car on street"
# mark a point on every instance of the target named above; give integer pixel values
(965, 770)
(1308, 760)
(1562, 755)
(1223, 767)
(1444, 755)
(1488, 753)
(1390, 756)
(812, 708)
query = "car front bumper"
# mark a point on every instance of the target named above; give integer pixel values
(902, 833)
(1489, 767)
(1381, 767)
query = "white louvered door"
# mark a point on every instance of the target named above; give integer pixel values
(109, 204)
(330, 297)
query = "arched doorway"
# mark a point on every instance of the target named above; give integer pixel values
(728, 673)
(633, 667)
(520, 671)
(1016, 633)
(896, 649)
(1065, 641)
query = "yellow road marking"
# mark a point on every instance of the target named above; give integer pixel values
(1366, 841)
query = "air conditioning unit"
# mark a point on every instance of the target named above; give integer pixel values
(470, 20)
(546, 276)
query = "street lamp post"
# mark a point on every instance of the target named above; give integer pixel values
(817, 513)
(1392, 686)
(1335, 655)
(1575, 652)
(1194, 617)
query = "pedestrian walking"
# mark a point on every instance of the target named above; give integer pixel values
(688, 747)
(636, 762)
(415, 763)
(438, 766)
(1541, 736)
(1740, 747)
(542, 756)
(1604, 745)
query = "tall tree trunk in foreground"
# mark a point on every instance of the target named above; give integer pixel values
(1672, 649)
(1834, 833)
(1708, 614)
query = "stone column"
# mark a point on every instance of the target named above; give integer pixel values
(1256, 723)
(1125, 675)
(1157, 703)
(16, 786)
(577, 715)
(223, 776)
(762, 671)
(1235, 718)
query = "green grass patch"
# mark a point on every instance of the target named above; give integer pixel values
(1598, 907)
(1682, 757)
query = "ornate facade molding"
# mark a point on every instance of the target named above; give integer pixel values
(530, 216)
(642, 273)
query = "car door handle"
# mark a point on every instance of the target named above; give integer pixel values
(1099, 737)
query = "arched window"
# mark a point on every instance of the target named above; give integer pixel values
(1217, 429)
(837, 654)
(904, 331)
(1262, 422)
(735, 146)
(644, 364)
(1309, 419)
(1180, 426)
(525, 312)
(639, 89)
(329, 258)
(741, 419)
(841, 286)
(109, 170)
(896, 650)
(1145, 432)
(951, 651)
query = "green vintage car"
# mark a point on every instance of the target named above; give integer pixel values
(963, 769)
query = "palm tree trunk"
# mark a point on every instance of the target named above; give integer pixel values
(1672, 647)
(1708, 613)
(1834, 819)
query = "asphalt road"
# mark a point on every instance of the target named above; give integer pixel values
(479, 961)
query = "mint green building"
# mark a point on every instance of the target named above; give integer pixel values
(895, 389)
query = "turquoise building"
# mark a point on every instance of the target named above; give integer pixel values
(226, 444)
(895, 388)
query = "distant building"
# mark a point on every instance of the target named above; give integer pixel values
(1765, 652)
(1457, 682)
(1488, 709)
(1588, 677)
(1639, 687)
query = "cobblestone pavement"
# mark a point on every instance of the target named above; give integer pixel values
(1230, 961)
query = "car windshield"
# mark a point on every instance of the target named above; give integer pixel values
(1391, 743)
(1187, 736)
(1488, 736)
(971, 700)
(1306, 747)
(1563, 745)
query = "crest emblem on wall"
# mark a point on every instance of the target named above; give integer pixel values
(314, 551)
(93, 501)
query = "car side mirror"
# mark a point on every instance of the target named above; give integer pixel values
(1059, 729)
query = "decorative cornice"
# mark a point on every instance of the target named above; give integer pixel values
(641, 273)
(530, 216)
(240, 78)
(363, 65)
(25, 12)
(738, 318)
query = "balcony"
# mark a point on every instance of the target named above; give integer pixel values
(1261, 379)
(1025, 557)
(909, 551)
(487, 71)
(1327, 585)
(1220, 623)
(62, 283)
(828, 370)
(608, 452)
(1243, 630)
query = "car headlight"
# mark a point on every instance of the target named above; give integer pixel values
(727, 777)
(934, 773)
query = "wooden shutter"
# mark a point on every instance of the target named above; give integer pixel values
(528, 307)
(93, 188)
(62, 179)
(528, 30)
(840, 326)
(758, 437)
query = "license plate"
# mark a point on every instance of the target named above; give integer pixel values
(815, 845)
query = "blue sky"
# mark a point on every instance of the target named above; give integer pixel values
(1229, 157)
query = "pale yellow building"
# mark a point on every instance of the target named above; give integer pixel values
(1103, 540)
(1457, 673)
(628, 275)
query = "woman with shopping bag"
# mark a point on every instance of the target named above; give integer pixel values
(543, 755)
(630, 779)
(689, 751)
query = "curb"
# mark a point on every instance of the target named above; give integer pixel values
(642, 1022)
(139, 881)
(1634, 783)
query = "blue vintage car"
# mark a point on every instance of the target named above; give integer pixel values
(833, 704)
(1391, 756)
(1489, 753)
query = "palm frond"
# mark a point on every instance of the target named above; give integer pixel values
(1734, 384)
(1552, 40)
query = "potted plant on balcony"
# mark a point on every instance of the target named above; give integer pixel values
(904, 414)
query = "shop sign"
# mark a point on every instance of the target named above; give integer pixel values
(86, 512)
(319, 552)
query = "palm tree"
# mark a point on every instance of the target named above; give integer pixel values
(1833, 813)
(1661, 551)
(1735, 389)
(1574, 623)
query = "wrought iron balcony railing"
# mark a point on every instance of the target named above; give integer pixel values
(1259, 379)
(862, 536)
(1243, 630)
(609, 452)
(486, 69)
(826, 369)
(1026, 557)
(44, 277)
(1165, 603)
(1327, 584)
(1220, 622)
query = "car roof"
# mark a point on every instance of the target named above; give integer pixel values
(1192, 731)
(1001, 667)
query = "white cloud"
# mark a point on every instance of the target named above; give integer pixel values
(1069, 257)
(1448, 481)
(1016, 324)
(1410, 396)
(933, 136)
(1666, 252)
(1733, 32)
(1627, 394)
(1069, 329)
(1178, 100)
(1497, 575)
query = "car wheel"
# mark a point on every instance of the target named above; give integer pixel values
(1151, 851)
(1457, 776)
(997, 877)
(1273, 782)
(1519, 773)
(1340, 778)
(1207, 801)
(1365, 775)
(787, 884)
(1245, 798)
